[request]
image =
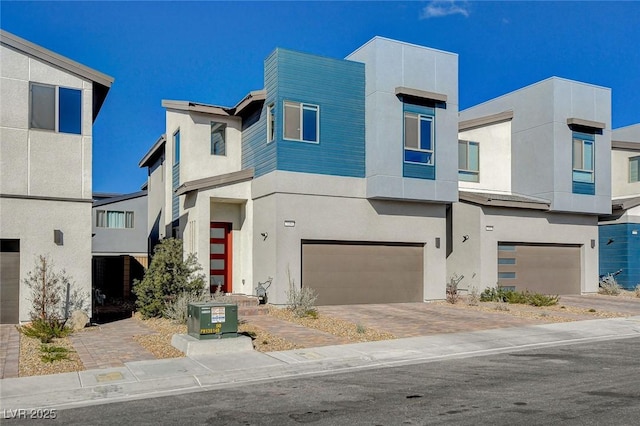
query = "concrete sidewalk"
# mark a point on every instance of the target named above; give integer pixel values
(145, 379)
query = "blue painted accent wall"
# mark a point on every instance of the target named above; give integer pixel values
(416, 170)
(175, 200)
(337, 87)
(623, 253)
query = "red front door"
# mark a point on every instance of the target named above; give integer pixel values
(220, 256)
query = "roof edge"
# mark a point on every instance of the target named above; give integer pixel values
(146, 159)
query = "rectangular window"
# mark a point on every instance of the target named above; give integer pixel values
(176, 147)
(301, 121)
(506, 275)
(583, 158)
(55, 108)
(634, 169)
(271, 123)
(100, 219)
(418, 138)
(468, 161)
(506, 261)
(218, 138)
(114, 219)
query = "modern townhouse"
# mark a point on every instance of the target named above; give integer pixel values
(534, 169)
(119, 243)
(48, 106)
(620, 231)
(336, 175)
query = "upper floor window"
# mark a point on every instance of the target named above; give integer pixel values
(218, 138)
(114, 219)
(271, 123)
(468, 161)
(176, 147)
(55, 108)
(583, 171)
(418, 138)
(301, 121)
(634, 169)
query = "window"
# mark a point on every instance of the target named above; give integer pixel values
(114, 219)
(176, 147)
(301, 121)
(583, 158)
(55, 108)
(468, 161)
(271, 123)
(634, 169)
(418, 138)
(218, 138)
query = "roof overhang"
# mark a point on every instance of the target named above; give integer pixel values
(504, 200)
(627, 146)
(586, 123)
(215, 181)
(485, 121)
(154, 152)
(101, 82)
(119, 198)
(625, 203)
(197, 107)
(421, 97)
(256, 96)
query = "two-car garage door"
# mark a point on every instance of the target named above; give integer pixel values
(541, 268)
(353, 273)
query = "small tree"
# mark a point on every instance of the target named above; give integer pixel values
(168, 276)
(52, 295)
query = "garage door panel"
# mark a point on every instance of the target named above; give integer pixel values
(359, 273)
(548, 269)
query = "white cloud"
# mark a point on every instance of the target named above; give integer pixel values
(440, 8)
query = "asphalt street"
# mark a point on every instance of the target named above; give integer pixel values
(582, 384)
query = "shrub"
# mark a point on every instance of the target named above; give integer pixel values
(537, 299)
(168, 276)
(301, 300)
(176, 309)
(52, 296)
(493, 294)
(637, 290)
(50, 353)
(473, 297)
(452, 290)
(609, 286)
(497, 294)
(360, 329)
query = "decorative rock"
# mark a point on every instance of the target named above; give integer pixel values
(78, 320)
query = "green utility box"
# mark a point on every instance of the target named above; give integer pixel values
(209, 320)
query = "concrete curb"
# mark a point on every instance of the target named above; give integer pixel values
(146, 379)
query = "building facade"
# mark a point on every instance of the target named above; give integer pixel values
(620, 231)
(49, 104)
(534, 169)
(336, 176)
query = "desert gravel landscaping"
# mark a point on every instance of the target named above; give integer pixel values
(159, 341)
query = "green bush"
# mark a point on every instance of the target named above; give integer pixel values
(168, 276)
(498, 294)
(50, 353)
(609, 286)
(45, 330)
(301, 300)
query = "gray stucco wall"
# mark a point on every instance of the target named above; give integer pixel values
(126, 240)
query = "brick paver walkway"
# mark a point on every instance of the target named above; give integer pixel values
(294, 333)
(112, 344)
(622, 305)
(9, 351)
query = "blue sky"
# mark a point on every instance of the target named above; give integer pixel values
(213, 52)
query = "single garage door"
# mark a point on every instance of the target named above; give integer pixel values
(9, 281)
(350, 273)
(547, 269)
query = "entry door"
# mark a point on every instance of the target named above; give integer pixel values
(220, 256)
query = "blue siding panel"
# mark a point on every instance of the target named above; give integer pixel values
(337, 87)
(175, 200)
(619, 249)
(584, 188)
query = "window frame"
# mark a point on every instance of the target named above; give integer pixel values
(635, 159)
(56, 107)
(176, 147)
(302, 107)
(468, 171)
(432, 151)
(103, 222)
(583, 141)
(271, 123)
(222, 128)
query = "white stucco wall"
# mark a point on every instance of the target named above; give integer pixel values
(43, 163)
(620, 185)
(390, 64)
(541, 146)
(478, 260)
(494, 143)
(345, 215)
